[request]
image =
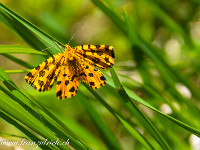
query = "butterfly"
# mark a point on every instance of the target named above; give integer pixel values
(74, 65)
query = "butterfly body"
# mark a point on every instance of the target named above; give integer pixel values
(74, 65)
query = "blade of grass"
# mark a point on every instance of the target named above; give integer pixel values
(106, 134)
(18, 61)
(79, 130)
(23, 129)
(138, 113)
(17, 71)
(27, 30)
(123, 121)
(116, 19)
(19, 50)
(24, 116)
(140, 100)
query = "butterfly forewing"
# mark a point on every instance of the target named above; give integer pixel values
(43, 76)
(100, 55)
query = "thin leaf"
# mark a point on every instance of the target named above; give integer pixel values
(138, 113)
(19, 50)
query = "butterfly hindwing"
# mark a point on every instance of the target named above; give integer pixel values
(67, 82)
(100, 55)
(92, 76)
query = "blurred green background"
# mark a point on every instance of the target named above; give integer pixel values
(157, 50)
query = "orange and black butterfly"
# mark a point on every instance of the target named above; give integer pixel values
(71, 67)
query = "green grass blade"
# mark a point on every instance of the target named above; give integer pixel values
(26, 29)
(116, 19)
(106, 134)
(17, 60)
(23, 129)
(126, 123)
(17, 71)
(79, 131)
(138, 113)
(140, 100)
(19, 50)
(18, 112)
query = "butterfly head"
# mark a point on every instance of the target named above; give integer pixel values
(67, 47)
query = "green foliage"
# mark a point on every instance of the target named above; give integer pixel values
(105, 118)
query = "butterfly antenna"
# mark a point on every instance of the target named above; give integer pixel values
(75, 34)
(47, 48)
(58, 45)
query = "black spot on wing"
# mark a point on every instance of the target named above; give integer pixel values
(73, 77)
(50, 76)
(59, 93)
(34, 86)
(84, 55)
(82, 74)
(50, 85)
(87, 67)
(37, 68)
(53, 62)
(30, 75)
(90, 74)
(46, 67)
(66, 82)
(99, 53)
(46, 62)
(91, 83)
(97, 46)
(72, 89)
(112, 54)
(107, 47)
(95, 69)
(41, 73)
(96, 60)
(58, 82)
(102, 78)
(106, 59)
(64, 75)
(55, 78)
(41, 83)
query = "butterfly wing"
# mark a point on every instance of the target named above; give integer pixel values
(101, 56)
(67, 81)
(91, 75)
(44, 75)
